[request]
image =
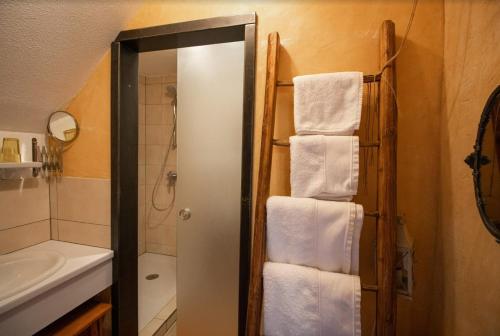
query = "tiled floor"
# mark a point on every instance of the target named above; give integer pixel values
(156, 297)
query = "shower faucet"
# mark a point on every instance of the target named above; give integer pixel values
(171, 178)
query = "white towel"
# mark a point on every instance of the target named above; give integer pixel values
(304, 301)
(325, 167)
(328, 103)
(308, 232)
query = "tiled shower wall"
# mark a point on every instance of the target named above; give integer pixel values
(141, 193)
(157, 230)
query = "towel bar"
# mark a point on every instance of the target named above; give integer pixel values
(366, 79)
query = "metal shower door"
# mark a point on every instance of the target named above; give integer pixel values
(209, 153)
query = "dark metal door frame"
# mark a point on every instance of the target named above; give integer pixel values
(124, 147)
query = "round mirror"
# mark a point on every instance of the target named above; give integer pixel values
(63, 126)
(485, 164)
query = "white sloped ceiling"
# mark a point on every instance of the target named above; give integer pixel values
(48, 49)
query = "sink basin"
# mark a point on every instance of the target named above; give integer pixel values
(43, 282)
(21, 270)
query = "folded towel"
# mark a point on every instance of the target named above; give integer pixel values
(303, 301)
(328, 103)
(325, 167)
(308, 232)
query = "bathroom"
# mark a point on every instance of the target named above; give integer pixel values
(147, 212)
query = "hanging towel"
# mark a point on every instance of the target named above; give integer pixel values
(325, 167)
(303, 301)
(328, 103)
(309, 232)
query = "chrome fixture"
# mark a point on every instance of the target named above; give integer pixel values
(171, 179)
(152, 276)
(185, 213)
(172, 93)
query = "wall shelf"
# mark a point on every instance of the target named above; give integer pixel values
(13, 165)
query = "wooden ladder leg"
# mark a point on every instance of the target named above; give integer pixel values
(263, 183)
(386, 198)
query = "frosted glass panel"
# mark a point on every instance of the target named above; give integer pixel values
(210, 119)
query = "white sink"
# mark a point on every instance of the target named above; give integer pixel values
(43, 282)
(21, 270)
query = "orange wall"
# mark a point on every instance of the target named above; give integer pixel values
(318, 36)
(467, 291)
(90, 155)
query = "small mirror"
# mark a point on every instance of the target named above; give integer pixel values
(63, 126)
(485, 164)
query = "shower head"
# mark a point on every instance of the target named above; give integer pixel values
(171, 92)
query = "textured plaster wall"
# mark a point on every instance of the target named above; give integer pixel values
(467, 292)
(318, 36)
(49, 49)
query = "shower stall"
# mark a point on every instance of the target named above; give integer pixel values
(189, 189)
(157, 168)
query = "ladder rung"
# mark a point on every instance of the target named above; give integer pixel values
(369, 288)
(372, 214)
(286, 143)
(281, 143)
(366, 79)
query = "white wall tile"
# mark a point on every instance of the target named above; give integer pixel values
(84, 200)
(158, 134)
(154, 79)
(142, 114)
(23, 236)
(85, 233)
(23, 201)
(157, 115)
(153, 94)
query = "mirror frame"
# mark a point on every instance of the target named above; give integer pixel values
(476, 159)
(124, 146)
(51, 134)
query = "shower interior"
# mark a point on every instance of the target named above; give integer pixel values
(157, 170)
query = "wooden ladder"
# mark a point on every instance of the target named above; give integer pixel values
(386, 217)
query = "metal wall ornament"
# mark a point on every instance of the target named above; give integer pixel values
(485, 164)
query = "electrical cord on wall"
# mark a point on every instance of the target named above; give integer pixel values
(405, 37)
(396, 54)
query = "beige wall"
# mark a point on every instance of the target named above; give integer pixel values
(24, 213)
(319, 36)
(80, 211)
(467, 293)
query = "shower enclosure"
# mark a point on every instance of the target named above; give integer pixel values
(181, 176)
(210, 96)
(157, 178)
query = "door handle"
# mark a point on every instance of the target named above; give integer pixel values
(185, 213)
